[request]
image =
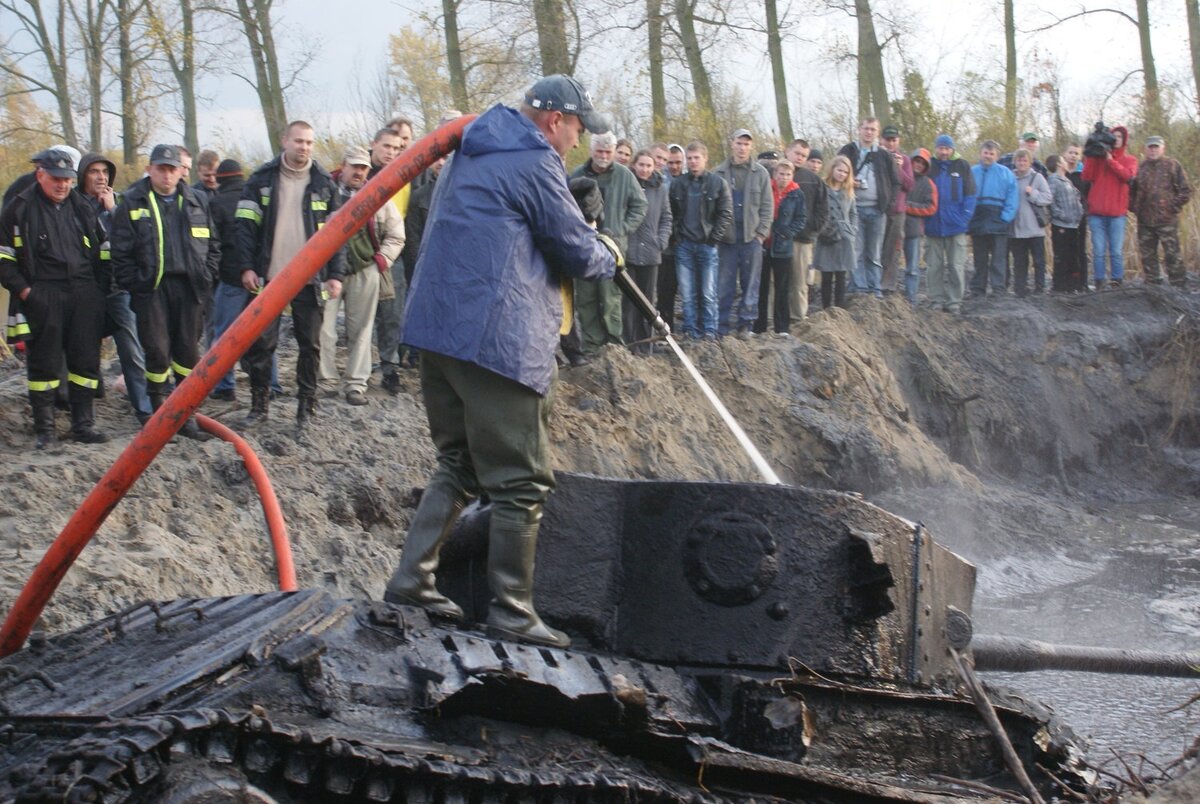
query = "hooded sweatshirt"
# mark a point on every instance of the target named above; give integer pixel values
(1110, 178)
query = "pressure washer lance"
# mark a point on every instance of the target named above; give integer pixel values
(629, 288)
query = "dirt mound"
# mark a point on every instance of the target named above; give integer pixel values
(1090, 393)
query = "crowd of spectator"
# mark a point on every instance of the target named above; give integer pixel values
(737, 249)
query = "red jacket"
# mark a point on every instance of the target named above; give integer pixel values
(1109, 195)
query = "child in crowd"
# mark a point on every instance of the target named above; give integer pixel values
(922, 203)
(834, 255)
(777, 250)
(1066, 211)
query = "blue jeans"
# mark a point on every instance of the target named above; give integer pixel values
(129, 349)
(1108, 238)
(228, 303)
(696, 267)
(389, 321)
(868, 270)
(740, 266)
(912, 267)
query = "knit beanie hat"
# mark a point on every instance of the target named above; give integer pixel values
(943, 141)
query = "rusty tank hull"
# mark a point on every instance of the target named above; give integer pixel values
(733, 642)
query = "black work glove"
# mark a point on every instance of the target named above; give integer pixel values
(587, 195)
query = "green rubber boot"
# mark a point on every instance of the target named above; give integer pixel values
(512, 548)
(414, 581)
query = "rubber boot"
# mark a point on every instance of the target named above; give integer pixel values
(260, 407)
(83, 417)
(192, 430)
(413, 582)
(306, 409)
(512, 548)
(43, 418)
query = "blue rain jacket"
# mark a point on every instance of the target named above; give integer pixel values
(503, 232)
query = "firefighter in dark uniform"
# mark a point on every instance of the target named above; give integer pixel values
(166, 254)
(53, 258)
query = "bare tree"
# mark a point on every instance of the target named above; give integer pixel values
(550, 17)
(91, 18)
(685, 20)
(1193, 23)
(454, 54)
(188, 47)
(1151, 97)
(658, 90)
(775, 52)
(873, 92)
(1010, 67)
(50, 46)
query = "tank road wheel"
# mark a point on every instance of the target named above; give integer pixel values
(202, 783)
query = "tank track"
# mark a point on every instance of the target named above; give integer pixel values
(129, 760)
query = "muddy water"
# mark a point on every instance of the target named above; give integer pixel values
(1116, 574)
(1132, 581)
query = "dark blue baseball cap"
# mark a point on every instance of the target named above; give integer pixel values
(57, 162)
(562, 93)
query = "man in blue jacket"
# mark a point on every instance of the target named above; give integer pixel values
(946, 229)
(485, 309)
(995, 208)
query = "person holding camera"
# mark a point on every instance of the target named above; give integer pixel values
(1110, 170)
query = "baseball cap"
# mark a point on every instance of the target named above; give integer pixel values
(675, 147)
(741, 132)
(57, 162)
(165, 155)
(890, 132)
(1156, 140)
(1029, 135)
(562, 93)
(356, 155)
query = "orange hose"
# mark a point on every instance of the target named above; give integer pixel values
(284, 568)
(217, 362)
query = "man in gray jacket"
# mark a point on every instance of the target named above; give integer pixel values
(598, 302)
(740, 250)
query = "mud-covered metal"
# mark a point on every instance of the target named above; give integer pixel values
(747, 644)
(734, 574)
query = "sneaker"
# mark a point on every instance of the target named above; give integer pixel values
(1115, 283)
(356, 397)
(224, 395)
(391, 381)
(743, 335)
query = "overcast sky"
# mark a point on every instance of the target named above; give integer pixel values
(1093, 53)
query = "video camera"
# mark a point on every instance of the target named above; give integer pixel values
(1100, 142)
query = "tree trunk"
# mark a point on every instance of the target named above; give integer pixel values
(125, 60)
(1155, 119)
(1010, 69)
(870, 63)
(91, 19)
(1193, 21)
(701, 84)
(552, 36)
(658, 91)
(51, 44)
(180, 53)
(775, 51)
(454, 60)
(256, 23)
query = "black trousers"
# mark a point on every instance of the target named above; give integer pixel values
(64, 318)
(833, 289)
(306, 322)
(668, 287)
(1022, 248)
(776, 271)
(1070, 261)
(168, 324)
(635, 329)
